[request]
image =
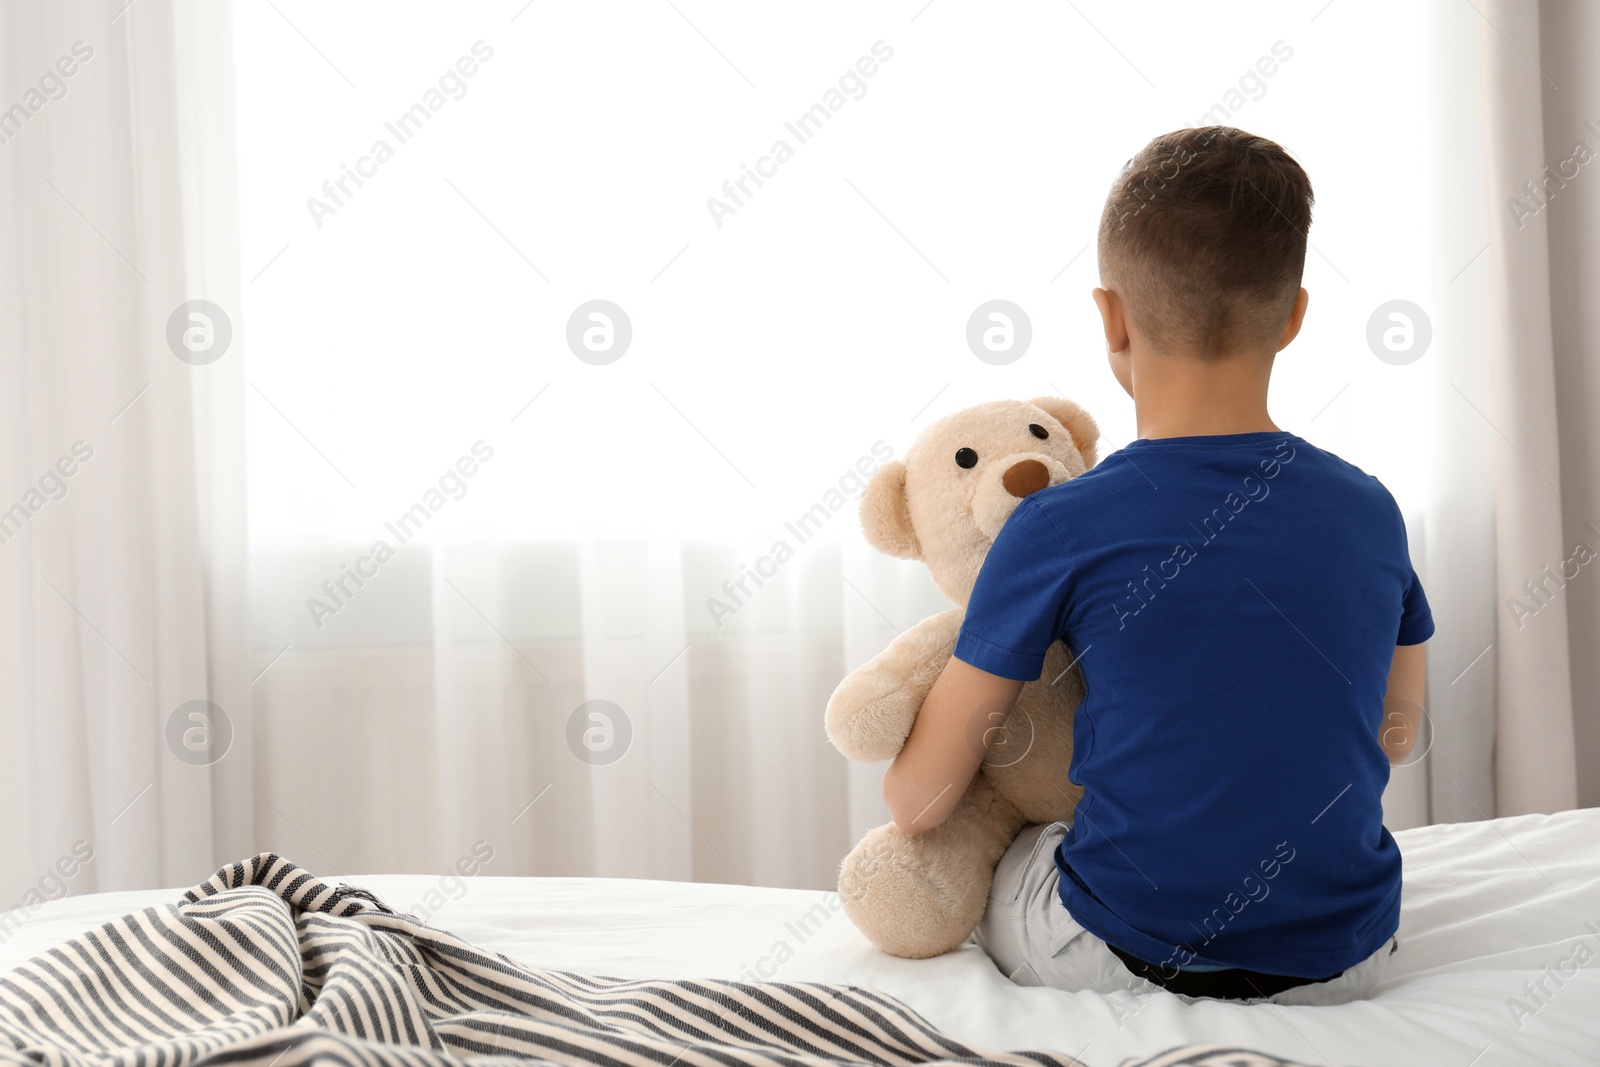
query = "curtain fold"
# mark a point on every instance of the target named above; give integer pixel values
(1569, 40)
(575, 705)
(1535, 528)
(122, 565)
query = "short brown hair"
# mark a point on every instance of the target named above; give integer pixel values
(1204, 237)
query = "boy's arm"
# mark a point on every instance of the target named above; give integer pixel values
(1402, 704)
(947, 743)
(1014, 614)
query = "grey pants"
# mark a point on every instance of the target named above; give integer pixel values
(1035, 941)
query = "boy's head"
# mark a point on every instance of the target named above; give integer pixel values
(1203, 240)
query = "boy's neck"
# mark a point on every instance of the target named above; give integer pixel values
(1186, 396)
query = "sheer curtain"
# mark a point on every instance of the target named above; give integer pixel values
(122, 538)
(415, 286)
(558, 392)
(570, 711)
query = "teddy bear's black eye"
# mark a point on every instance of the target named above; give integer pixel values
(966, 458)
(1038, 431)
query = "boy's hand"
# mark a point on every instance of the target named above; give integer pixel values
(958, 721)
(1402, 704)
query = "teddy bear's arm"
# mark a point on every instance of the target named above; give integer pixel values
(870, 714)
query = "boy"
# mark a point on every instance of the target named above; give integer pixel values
(1244, 611)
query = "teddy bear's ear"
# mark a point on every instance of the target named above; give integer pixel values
(1079, 423)
(885, 516)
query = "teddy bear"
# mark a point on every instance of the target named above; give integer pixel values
(921, 895)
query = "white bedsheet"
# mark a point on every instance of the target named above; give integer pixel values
(1487, 907)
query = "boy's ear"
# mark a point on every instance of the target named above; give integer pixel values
(1113, 318)
(885, 515)
(1297, 316)
(1079, 423)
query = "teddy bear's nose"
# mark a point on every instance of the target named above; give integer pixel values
(1027, 476)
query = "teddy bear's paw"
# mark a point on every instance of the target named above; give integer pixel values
(870, 715)
(914, 896)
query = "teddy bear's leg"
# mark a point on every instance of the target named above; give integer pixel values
(920, 895)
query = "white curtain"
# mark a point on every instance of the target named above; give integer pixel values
(1543, 133)
(1510, 535)
(122, 544)
(401, 341)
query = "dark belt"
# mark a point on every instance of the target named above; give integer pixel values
(1232, 984)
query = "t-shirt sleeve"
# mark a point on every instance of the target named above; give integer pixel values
(1019, 601)
(1416, 618)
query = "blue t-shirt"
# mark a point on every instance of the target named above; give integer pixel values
(1234, 602)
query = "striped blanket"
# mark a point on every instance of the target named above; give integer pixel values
(265, 964)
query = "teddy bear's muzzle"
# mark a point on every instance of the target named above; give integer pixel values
(1006, 483)
(1027, 476)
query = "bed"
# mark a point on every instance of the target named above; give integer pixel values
(1499, 959)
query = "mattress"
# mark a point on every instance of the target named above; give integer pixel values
(1499, 959)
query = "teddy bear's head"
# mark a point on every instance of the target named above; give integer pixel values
(945, 502)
